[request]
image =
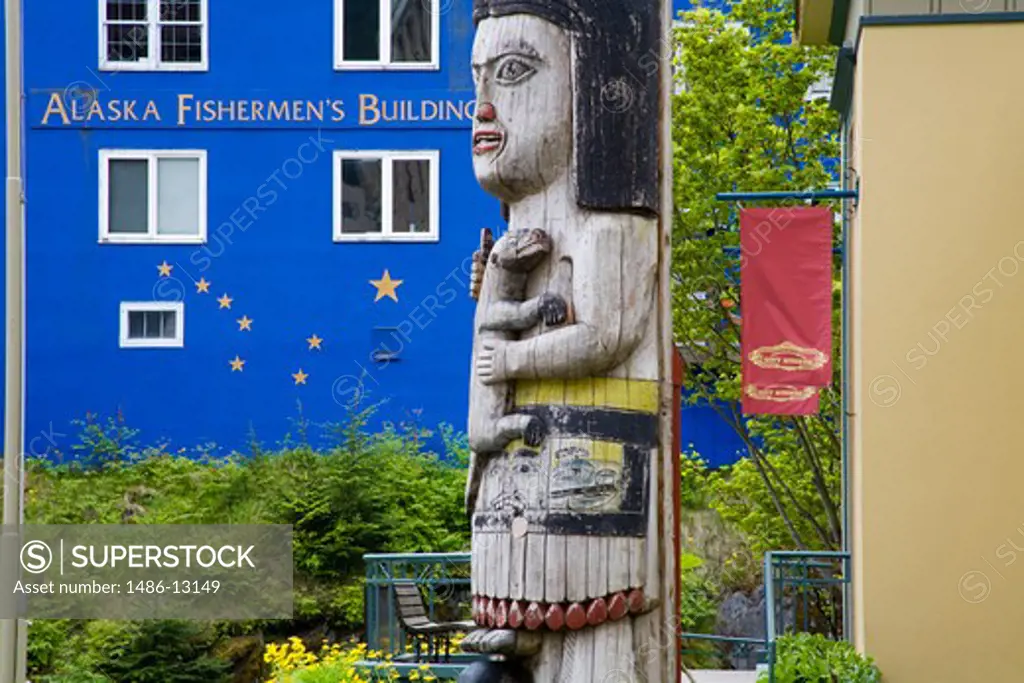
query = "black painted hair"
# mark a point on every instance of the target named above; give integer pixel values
(617, 93)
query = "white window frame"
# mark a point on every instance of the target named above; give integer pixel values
(152, 156)
(178, 307)
(387, 158)
(385, 62)
(153, 61)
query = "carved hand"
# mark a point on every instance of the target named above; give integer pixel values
(553, 309)
(490, 362)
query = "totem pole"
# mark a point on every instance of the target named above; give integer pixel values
(571, 491)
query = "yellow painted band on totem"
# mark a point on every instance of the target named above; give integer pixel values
(607, 452)
(600, 392)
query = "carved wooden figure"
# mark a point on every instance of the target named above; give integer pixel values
(573, 525)
(501, 310)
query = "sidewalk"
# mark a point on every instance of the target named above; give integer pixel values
(709, 676)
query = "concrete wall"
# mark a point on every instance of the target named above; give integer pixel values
(938, 322)
(890, 8)
(896, 7)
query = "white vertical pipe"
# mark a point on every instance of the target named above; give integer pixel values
(13, 632)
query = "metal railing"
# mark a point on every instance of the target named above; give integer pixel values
(444, 578)
(804, 593)
(720, 649)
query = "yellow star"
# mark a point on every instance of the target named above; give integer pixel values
(165, 269)
(300, 377)
(225, 301)
(203, 287)
(386, 287)
(244, 323)
(315, 342)
(237, 364)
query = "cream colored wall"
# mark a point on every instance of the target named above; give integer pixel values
(938, 440)
(815, 17)
(905, 7)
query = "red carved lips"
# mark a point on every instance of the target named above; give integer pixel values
(487, 140)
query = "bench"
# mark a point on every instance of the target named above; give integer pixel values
(412, 613)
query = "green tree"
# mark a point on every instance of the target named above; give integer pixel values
(742, 120)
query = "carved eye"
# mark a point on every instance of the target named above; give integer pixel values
(514, 70)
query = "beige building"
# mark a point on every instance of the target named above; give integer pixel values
(933, 103)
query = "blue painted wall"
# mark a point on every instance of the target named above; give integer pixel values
(282, 269)
(681, 5)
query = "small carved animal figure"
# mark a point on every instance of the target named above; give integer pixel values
(501, 312)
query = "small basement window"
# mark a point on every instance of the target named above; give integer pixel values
(152, 324)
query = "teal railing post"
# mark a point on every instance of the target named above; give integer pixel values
(392, 626)
(370, 610)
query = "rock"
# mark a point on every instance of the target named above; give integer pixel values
(742, 615)
(246, 656)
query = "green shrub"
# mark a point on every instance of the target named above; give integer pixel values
(694, 485)
(698, 597)
(99, 651)
(166, 652)
(698, 611)
(361, 492)
(806, 658)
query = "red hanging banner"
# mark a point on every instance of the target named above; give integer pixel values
(786, 302)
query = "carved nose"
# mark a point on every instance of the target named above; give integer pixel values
(486, 113)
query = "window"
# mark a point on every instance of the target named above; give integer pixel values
(152, 324)
(153, 196)
(386, 196)
(153, 35)
(381, 34)
(821, 89)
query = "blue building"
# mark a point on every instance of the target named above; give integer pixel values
(234, 213)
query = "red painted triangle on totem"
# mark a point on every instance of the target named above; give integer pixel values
(501, 615)
(555, 618)
(515, 615)
(618, 607)
(576, 617)
(597, 613)
(534, 616)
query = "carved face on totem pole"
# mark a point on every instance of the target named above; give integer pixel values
(568, 85)
(522, 134)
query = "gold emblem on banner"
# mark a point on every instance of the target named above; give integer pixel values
(789, 357)
(780, 393)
